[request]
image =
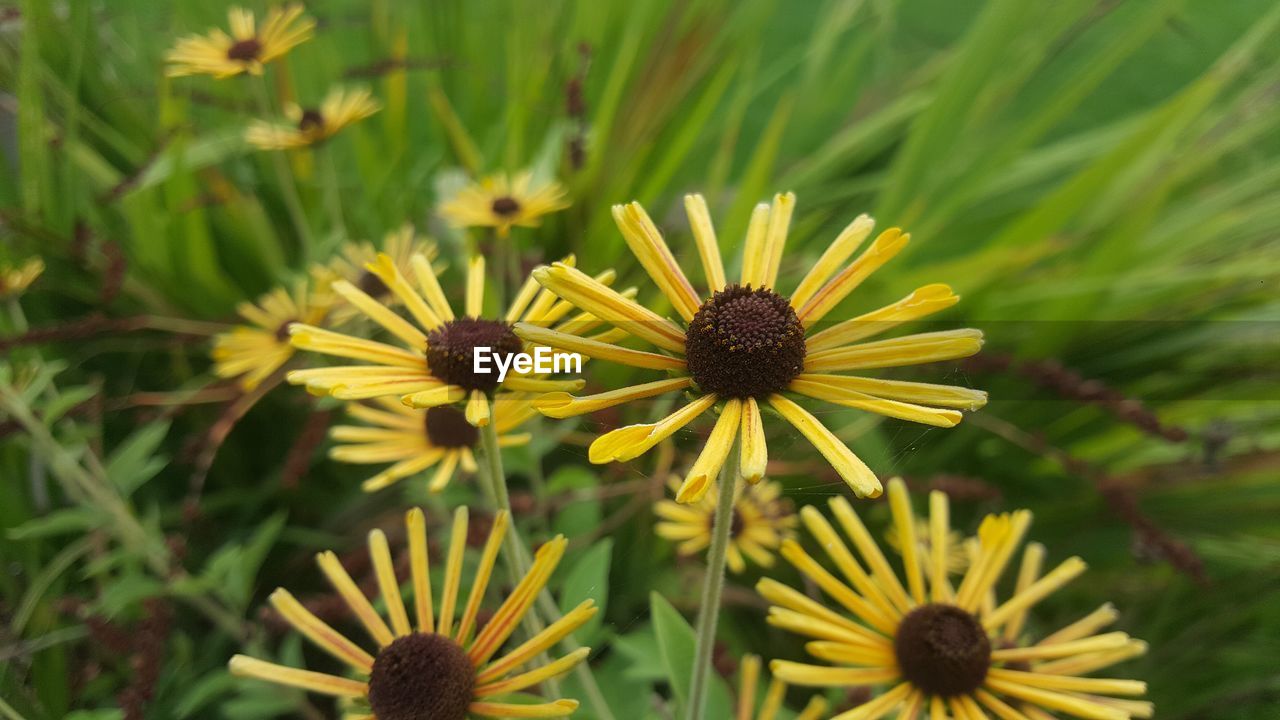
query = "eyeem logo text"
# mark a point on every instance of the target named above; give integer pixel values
(543, 361)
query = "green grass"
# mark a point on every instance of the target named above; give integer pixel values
(1097, 179)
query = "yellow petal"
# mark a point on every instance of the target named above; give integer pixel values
(819, 676)
(886, 246)
(754, 450)
(651, 250)
(704, 235)
(713, 454)
(904, 521)
(319, 632)
(245, 666)
(596, 349)
(610, 306)
(832, 258)
(379, 313)
(630, 442)
(855, 473)
(478, 409)
(906, 350)
(880, 406)
(443, 395)
(755, 256)
(384, 570)
(430, 284)
(475, 286)
(950, 396)
(920, 303)
(420, 568)
(779, 223)
(563, 405)
(558, 708)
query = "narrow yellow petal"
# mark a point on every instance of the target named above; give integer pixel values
(788, 598)
(610, 306)
(527, 384)
(558, 708)
(444, 471)
(922, 302)
(755, 255)
(904, 520)
(754, 449)
(841, 593)
(779, 223)
(396, 325)
(1002, 709)
(1028, 573)
(483, 572)
(1085, 626)
(478, 409)
(832, 258)
(385, 571)
(700, 477)
(443, 395)
(327, 342)
(319, 632)
(915, 349)
(245, 666)
(704, 235)
(870, 551)
(819, 676)
(517, 604)
(651, 250)
(939, 527)
(1068, 570)
(523, 297)
(1089, 662)
(420, 568)
(354, 598)
(1070, 683)
(475, 286)
(554, 633)
(1078, 707)
(852, 470)
(563, 405)
(1094, 643)
(880, 706)
(748, 676)
(453, 571)
(884, 248)
(951, 396)
(886, 613)
(387, 271)
(814, 710)
(430, 284)
(879, 406)
(632, 441)
(596, 349)
(533, 677)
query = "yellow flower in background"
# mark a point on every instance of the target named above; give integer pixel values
(747, 345)
(350, 264)
(312, 125)
(253, 352)
(749, 680)
(439, 666)
(247, 49)
(959, 548)
(946, 651)
(417, 440)
(435, 365)
(762, 518)
(503, 203)
(15, 279)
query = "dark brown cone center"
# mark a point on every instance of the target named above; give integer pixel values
(282, 332)
(448, 428)
(423, 676)
(311, 120)
(245, 50)
(942, 650)
(745, 342)
(451, 350)
(505, 206)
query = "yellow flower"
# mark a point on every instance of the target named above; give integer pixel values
(746, 345)
(400, 245)
(941, 650)
(959, 548)
(15, 279)
(415, 440)
(253, 352)
(748, 680)
(309, 126)
(247, 49)
(439, 667)
(435, 366)
(502, 203)
(762, 518)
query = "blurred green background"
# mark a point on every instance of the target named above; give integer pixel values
(1097, 178)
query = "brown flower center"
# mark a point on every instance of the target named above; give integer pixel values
(282, 332)
(451, 351)
(372, 285)
(942, 650)
(505, 206)
(448, 428)
(311, 120)
(745, 342)
(245, 50)
(423, 676)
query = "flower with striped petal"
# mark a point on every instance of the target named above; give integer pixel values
(313, 125)
(434, 365)
(247, 49)
(943, 650)
(416, 440)
(255, 351)
(502, 203)
(352, 259)
(748, 684)
(439, 664)
(762, 518)
(747, 345)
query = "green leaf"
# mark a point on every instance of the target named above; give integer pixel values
(676, 645)
(134, 461)
(59, 522)
(589, 579)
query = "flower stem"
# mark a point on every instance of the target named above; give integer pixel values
(520, 562)
(284, 176)
(713, 586)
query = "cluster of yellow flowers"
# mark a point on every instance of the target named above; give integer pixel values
(942, 645)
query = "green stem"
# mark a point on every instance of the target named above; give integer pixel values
(334, 195)
(713, 586)
(284, 177)
(519, 563)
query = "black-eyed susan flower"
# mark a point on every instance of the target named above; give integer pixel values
(254, 351)
(945, 651)
(748, 346)
(416, 440)
(440, 664)
(247, 49)
(15, 279)
(502, 203)
(749, 681)
(350, 264)
(312, 125)
(762, 518)
(435, 365)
